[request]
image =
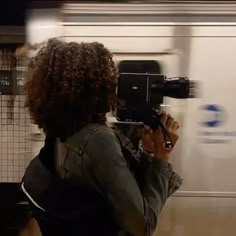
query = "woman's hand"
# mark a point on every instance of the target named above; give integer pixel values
(153, 141)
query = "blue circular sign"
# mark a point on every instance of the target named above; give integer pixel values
(215, 116)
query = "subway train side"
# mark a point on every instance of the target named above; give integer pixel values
(191, 40)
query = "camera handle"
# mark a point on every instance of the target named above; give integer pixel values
(167, 140)
(148, 116)
(153, 121)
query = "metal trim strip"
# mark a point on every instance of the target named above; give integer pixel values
(151, 9)
(205, 194)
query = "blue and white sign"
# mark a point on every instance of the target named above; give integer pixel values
(214, 115)
(213, 126)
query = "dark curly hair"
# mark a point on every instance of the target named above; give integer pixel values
(69, 85)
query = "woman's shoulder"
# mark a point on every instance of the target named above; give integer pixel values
(99, 131)
(92, 132)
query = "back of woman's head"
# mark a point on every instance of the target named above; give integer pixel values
(69, 85)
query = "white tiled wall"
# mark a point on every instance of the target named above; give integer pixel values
(15, 143)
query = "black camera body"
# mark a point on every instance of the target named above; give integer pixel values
(141, 90)
(140, 95)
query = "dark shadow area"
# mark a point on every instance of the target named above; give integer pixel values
(14, 213)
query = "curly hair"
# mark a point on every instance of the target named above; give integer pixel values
(69, 85)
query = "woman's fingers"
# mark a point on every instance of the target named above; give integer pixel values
(164, 118)
(175, 125)
(147, 130)
(169, 122)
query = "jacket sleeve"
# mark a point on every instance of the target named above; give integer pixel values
(135, 212)
(143, 162)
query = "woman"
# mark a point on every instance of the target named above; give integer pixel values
(88, 179)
